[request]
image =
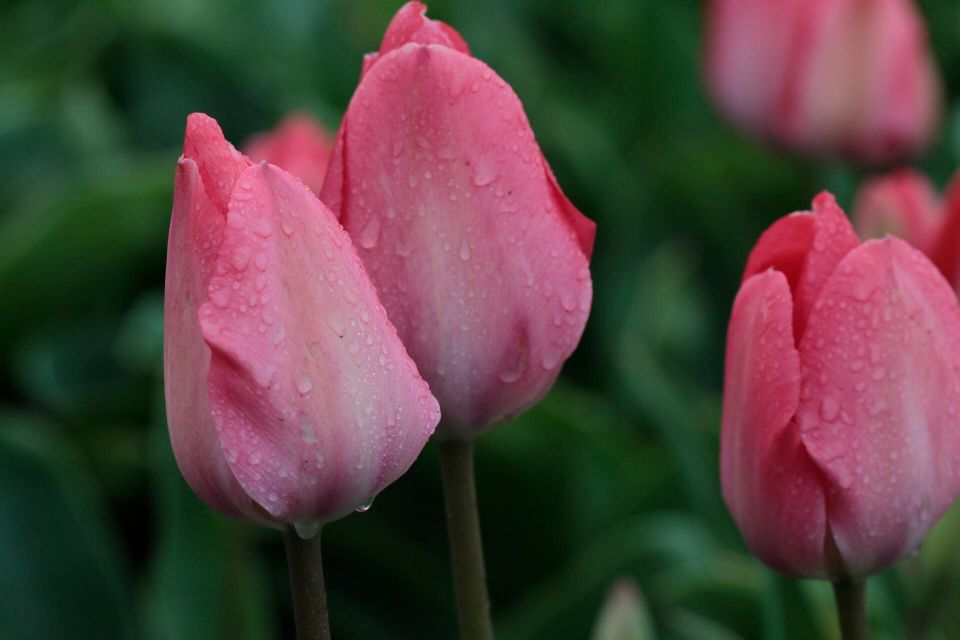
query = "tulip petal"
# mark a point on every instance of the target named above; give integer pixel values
(218, 162)
(946, 249)
(880, 397)
(196, 225)
(411, 24)
(478, 257)
(316, 403)
(806, 247)
(770, 485)
(904, 204)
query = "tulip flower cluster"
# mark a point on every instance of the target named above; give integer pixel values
(423, 275)
(293, 365)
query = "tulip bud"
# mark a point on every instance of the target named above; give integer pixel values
(840, 445)
(290, 398)
(904, 204)
(480, 260)
(844, 77)
(299, 145)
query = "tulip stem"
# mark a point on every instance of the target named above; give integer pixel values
(851, 597)
(307, 587)
(466, 548)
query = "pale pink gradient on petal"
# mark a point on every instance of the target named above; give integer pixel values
(299, 145)
(770, 486)
(480, 260)
(902, 203)
(881, 400)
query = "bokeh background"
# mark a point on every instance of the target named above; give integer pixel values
(613, 475)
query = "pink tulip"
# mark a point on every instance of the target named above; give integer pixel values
(299, 145)
(840, 444)
(290, 398)
(902, 203)
(945, 251)
(848, 77)
(480, 260)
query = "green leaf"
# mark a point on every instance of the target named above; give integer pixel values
(61, 568)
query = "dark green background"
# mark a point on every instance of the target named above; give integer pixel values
(614, 474)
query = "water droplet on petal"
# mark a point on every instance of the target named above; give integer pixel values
(304, 384)
(370, 233)
(366, 505)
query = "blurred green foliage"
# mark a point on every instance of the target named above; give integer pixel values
(613, 475)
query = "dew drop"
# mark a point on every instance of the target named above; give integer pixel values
(304, 384)
(366, 505)
(370, 233)
(829, 409)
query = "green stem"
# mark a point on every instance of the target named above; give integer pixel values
(466, 548)
(307, 587)
(851, 597)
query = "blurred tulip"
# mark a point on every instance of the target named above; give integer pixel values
(945, 251)
(290, 398)
(845, 77)
(299, 145)
(840, 444)
(480, 260)
(902, 203)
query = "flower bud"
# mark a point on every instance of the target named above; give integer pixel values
(299, 145)
(904, 204)
(840, 445)
(290, 398)
(479, 259)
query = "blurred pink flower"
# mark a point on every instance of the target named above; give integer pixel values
(846, 77)
(299, 145)
(289, 395)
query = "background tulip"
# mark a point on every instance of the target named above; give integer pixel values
(904, 204)
(299, 145)
(480, 260)
(847, 77)
(840, 445)
(290, 398)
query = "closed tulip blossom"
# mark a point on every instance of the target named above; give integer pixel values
(905, 203)
(290, 398)
(841, 443)
(299, 145)
(902, 203)
(854, 78)
(480, 260)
